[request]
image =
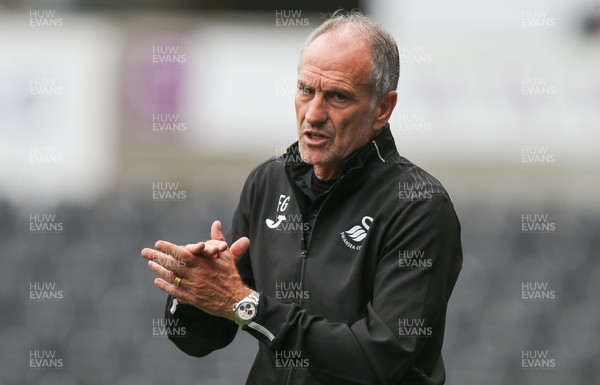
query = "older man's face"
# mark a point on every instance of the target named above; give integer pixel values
(333, 101)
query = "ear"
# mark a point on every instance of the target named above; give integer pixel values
(383, 109)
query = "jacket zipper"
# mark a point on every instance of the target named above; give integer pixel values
(304, 245)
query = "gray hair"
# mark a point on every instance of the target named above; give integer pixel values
(385, 60)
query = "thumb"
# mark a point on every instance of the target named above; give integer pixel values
(239, 248)
(215, 231)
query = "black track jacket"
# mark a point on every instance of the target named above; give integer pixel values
(353, 287)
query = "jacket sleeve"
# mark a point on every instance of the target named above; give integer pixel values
(373, 350)
(205, 333)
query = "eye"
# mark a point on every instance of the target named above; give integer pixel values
(304, 89)
(340, 97)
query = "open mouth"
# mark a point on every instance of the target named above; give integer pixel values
(315, 139)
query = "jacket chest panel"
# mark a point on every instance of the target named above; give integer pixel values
(334, 278)
(277, 228)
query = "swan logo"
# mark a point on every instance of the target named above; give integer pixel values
(354, 236)
(282, 204)
(275, 224)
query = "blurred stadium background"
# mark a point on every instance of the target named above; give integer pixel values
(124, 122)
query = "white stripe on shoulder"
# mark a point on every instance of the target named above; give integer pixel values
(378, 153)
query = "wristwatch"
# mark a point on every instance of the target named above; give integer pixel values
(245, 310)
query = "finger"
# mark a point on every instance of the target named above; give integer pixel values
(150, 254)
(195, 248)
(239, 248)
(165, 260)
(173, 290)
(216, 246)
(213, 248)
(176, 251)
(208, 249)
(167, 275)
(216, 232)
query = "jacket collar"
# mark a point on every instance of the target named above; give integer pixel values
(378, 150)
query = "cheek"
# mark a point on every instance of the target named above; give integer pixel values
(352, 132)
(299, 115)
(301, 108)
(297, 106)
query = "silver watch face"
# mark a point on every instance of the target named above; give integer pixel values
(246, 310)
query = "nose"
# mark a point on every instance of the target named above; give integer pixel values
(316, 114)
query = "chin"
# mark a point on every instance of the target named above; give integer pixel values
(309, 156)
(314, 157)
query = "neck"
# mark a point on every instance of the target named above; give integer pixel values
(328, 172)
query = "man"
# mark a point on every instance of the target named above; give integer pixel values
(355, 292)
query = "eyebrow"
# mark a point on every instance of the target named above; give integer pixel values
(332, 89)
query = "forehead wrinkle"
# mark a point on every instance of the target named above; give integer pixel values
(328, 78)
(339, 57)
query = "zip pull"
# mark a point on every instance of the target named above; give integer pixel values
(303, 247)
